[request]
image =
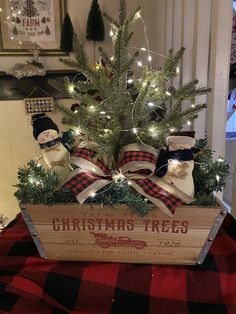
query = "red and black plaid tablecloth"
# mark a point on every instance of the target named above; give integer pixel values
(29, 284)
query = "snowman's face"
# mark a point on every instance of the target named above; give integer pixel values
(47, 136)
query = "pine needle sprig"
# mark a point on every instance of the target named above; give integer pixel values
(189, 91)
(122, 12)
(128, 108)
(39, 186)
(209, 175)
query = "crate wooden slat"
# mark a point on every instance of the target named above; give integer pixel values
(72, 232)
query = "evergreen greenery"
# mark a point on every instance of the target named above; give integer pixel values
(39, 186)
(67, 34)
(209, 176)
(95, 26)
(114, 112)
(128, 118)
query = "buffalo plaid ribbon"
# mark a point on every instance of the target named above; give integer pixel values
(136, 163)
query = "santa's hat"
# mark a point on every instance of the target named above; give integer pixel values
(41, 122)
(184, 140)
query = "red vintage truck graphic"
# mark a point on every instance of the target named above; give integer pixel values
(105, 241)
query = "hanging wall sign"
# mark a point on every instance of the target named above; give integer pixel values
(31, 20)
(23, 22)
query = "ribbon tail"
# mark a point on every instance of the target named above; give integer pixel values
(93, 188)
(83, 184)
(161, 194)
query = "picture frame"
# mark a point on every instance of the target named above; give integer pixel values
(39, 20)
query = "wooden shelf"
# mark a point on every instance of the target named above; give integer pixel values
(12, 88)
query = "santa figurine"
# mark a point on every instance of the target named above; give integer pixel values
(175, 165)
(56, 154)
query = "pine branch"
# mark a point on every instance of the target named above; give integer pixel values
(134, 16)
(122, 13)
(107, 59)
(111, 20)
(189, 91)
(39, 186)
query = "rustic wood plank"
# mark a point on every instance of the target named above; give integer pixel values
(95, 233)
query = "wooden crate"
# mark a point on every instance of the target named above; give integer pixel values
(72, 232)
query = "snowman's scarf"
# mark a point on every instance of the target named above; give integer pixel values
(50, 144)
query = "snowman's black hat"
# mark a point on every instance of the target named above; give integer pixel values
(40, 123)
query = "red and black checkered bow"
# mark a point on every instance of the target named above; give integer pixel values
(136, 163)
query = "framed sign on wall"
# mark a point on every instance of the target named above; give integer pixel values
(23, 22)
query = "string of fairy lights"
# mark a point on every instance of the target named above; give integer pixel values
(10, 20)
(140, 64)
(117, 177)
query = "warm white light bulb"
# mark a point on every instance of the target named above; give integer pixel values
(189, 123)
(151, 104)
(112, 58)
(71, 88)
(217, 178)
(139, 63)
(108, 117)
(149, 58)
(129, 183)
(168, 93)
(93, 194)
(12, 37)
(77, 131)
(156, 89)
(135, 131)
(130, 81)
(220, 160)
(138, 15)
(143, 49)
(0, 9)
(111, 33)
(31, 180)
(177, 70)
(172, 129)
(193, 106)
(92, 108)
(102, 112)
(174, 161)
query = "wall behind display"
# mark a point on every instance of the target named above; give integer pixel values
(17, 144)
(78, 11)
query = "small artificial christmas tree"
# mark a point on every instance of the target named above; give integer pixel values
(29, 9)
(95, 25)
(67, 34)
(123, 122)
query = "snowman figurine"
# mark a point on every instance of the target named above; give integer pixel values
(180, 163)
(55, 153)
